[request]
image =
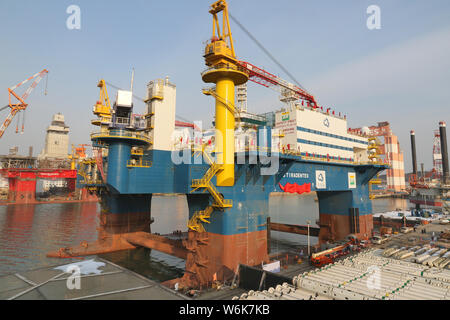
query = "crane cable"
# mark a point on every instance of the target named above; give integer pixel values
(266, 51)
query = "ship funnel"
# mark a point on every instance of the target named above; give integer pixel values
(413, 152)
(444, 152)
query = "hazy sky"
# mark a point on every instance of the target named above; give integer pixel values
(400, 73)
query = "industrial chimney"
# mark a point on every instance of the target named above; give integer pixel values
(444, 152)
(413, 152)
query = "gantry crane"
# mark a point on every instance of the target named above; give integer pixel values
(20, 105)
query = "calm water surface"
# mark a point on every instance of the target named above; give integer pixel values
(28, 232)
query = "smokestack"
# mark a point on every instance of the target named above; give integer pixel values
(30, 151)
(413, 152)
(444, 152)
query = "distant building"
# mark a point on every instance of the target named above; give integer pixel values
(56, 140)
(393, 179)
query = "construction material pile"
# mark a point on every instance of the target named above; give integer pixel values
(425, 255)
(366, 276)
(445, 235)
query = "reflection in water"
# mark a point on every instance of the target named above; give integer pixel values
(28, 232)
(170, 214)
(297, 209)
(292, 209)
(390, 204)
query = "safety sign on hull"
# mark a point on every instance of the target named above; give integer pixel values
(351, 180)
(321, 179)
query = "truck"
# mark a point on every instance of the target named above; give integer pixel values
(328, 256)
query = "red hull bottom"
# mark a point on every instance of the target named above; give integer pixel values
(334, 227)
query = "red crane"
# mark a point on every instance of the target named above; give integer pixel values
(268, 80)
(20, 105)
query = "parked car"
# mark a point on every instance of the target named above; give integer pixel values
(376, 239)
(406, 229)
(364, 243)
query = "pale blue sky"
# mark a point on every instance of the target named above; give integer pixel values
(399, 74)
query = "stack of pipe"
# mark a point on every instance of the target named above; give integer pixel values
(369, 275)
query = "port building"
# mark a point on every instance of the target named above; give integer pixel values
(393, 178)
(56, 148)
(57, 139)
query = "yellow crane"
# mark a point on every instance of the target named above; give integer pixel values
(102, 108)
(374, 157)
(225, 72)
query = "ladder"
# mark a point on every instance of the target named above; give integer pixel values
(203, 216)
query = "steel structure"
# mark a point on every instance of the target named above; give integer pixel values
(289, 91)
(22, 181)
(20, 105)
(437, 156)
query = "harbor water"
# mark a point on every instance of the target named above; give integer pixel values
(28, 232)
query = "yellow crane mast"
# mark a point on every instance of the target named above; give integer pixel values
(225, 72)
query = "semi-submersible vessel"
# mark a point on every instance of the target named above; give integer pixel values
(227, 178)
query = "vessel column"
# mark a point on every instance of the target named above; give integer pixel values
(225, 132)
(118, 156)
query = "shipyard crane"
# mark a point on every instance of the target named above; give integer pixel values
(226, 71)
(289, 91)
(20, 105)
(103, 106)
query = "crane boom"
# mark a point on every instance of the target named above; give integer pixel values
(20, 105)
(268, 80)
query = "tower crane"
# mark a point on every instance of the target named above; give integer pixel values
(226, 71)
(20, 105)
(289, 91)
